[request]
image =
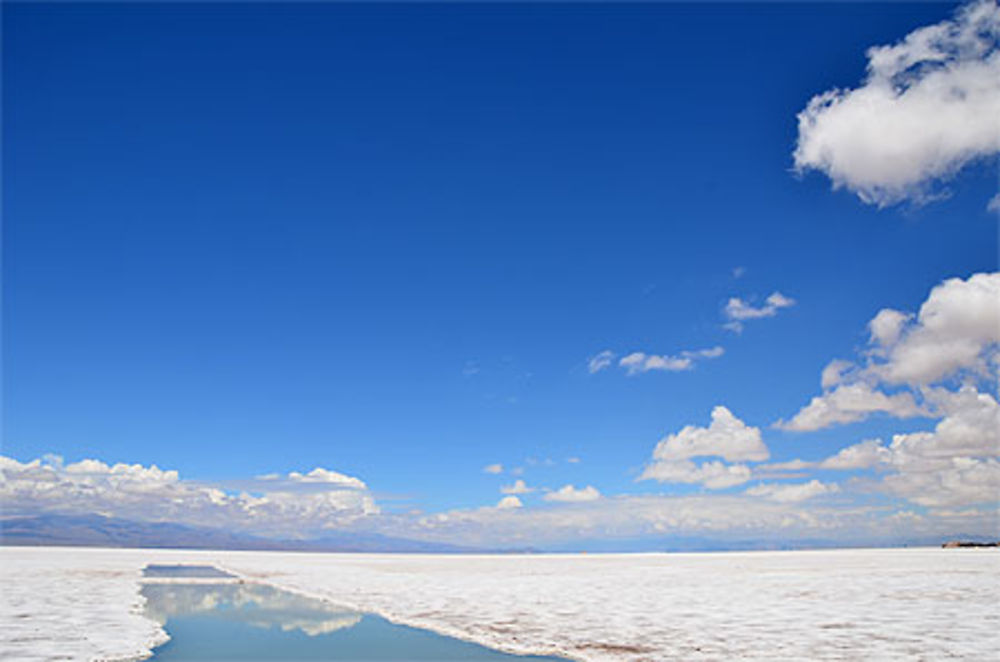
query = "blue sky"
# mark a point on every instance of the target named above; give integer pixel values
(386, 240)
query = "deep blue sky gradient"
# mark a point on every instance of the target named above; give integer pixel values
(384, 239)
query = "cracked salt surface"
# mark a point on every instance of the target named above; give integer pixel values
(84, 604)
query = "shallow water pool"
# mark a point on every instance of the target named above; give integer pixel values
(185, 571)
(241, 621)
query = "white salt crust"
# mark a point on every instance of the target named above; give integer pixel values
(913, 604)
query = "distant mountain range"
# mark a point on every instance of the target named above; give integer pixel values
(100, 531)
(686, 544)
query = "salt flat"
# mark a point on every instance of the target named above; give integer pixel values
(928, 604)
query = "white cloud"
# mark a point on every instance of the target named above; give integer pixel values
(149, 493)
(994, 204)
(519, 487)
(835, 372)
(737, 310)
(320, 475)
(929, 106)
(292, 505)
(493, 469)
(570, 494)
(956, 334)
(600, 361)
(955, 464)
(717, 516)
(714, 475)
(933, 364)
(509, 503)
(850, 403)
(886, 326)
(727, 437)
(792, 493)
(965, 481)
(869, 453)
(967, 513)
(710, 353)
(790, 465)
(639, 362)
(957, 328)
(970, 428)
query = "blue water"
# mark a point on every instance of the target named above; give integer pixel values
(237, 621)
(185, 571)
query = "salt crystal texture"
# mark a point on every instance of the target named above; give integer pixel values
(819, 605)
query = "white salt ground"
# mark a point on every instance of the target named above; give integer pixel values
(912, 604)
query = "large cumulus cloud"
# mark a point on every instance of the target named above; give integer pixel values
(940, 364)
(929, 106)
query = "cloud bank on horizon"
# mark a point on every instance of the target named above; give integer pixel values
(936, 364)
(929, 107)
(279, 506)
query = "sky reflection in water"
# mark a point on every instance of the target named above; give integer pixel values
(236, 621)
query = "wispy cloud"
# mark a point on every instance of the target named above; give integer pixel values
(600, 361)
(737, 311)
(639, 362)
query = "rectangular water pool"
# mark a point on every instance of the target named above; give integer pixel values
(185, 572)
(246, 621)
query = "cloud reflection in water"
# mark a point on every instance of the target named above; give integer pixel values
(254, 604)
